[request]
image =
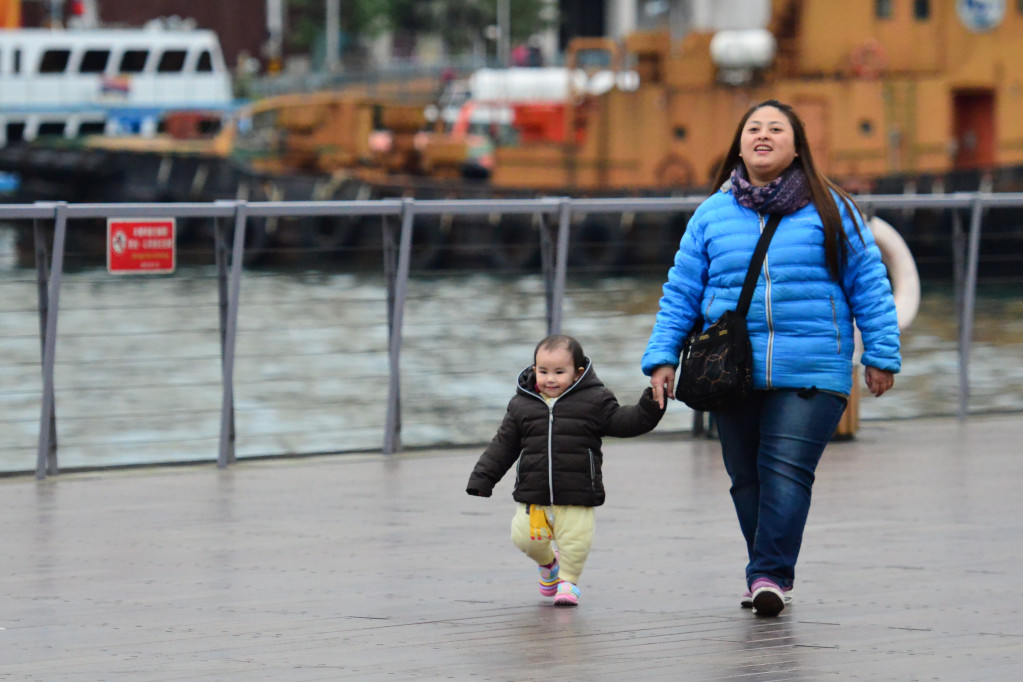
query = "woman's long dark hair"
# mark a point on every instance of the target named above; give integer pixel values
(835, 248)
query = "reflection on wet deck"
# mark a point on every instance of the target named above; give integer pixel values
(362, 567)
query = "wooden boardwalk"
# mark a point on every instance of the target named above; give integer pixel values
(370, 568)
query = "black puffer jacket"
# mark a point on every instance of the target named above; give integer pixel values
(558, 446)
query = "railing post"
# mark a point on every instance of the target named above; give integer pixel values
(46, 459)
(42, 283)
(699, 430)
(391, 238)
(968, 305)
(221, 258)
(958, 261)
(560, 267)
(226, 454)
(547, 266)
(392, 424)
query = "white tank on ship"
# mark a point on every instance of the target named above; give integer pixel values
(743, 50)
(545, 84)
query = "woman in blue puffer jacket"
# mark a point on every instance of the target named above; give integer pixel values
(822, 271)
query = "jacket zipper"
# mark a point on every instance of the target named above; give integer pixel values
(706, 312)
(550, 451)
(834, 323)
(593, 471)
(767, 308)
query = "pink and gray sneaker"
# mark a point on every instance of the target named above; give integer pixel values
(549, 578)
(768, 598)
(746, 600)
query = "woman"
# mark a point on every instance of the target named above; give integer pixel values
(822, 270)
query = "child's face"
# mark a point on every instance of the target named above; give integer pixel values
(554, 371)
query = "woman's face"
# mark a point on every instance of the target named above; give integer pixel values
(767, 145)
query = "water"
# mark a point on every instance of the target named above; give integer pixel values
(138, 371)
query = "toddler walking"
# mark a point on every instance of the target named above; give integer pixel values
(553, 428)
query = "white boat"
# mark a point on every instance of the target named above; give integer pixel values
(106, 81)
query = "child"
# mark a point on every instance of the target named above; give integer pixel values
(553, 428)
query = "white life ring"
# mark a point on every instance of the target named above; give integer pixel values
(902, 274)
(902, 270)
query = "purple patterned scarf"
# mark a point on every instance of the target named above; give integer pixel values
(786, 194)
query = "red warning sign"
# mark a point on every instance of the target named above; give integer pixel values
(140, 245)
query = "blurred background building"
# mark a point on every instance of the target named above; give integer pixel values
(269, 36)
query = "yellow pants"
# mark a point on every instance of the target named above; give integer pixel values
(570, 528)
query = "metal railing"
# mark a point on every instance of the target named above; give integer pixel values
(397, 234)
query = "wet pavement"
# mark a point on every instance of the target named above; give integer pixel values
(361, 567)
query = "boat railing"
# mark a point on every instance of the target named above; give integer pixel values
(399, 218)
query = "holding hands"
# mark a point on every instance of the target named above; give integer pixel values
(663, 382)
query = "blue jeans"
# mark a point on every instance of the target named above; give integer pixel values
(771, 445)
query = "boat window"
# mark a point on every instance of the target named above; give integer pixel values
(92, 128)
(883, 9)
(51, 129)
(134, 61)
(54, 61)
(16, 66)
(922, 9)
(205, 64)
(171, 61)
(15, 132)
(94, 61)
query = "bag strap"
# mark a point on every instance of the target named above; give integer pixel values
(753, 274)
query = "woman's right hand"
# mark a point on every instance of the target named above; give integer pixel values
(662, 379)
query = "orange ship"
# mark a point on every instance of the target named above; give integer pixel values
(902, 87)
(10, 13)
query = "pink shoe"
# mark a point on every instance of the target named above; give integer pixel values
(568, 594)
(549, 578)
(768, 598)
(746, 600)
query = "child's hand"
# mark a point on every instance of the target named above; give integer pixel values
(648, 394)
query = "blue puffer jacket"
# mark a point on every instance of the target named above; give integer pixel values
(801, 320)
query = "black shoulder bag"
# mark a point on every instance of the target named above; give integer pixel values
(716, 371)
